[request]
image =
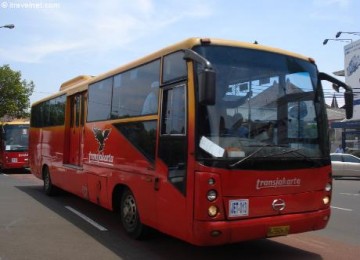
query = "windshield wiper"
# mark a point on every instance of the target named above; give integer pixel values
(291, 151)
(251, 155)
(298, 155)
(286, 152)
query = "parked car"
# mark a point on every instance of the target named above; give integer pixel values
(345, 165)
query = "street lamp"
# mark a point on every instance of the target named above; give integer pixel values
(9, 26)
(341, 40)
(354, 33)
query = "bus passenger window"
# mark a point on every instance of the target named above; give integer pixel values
(151, 101)
(99, 104)
(135, 92)
(174, 67)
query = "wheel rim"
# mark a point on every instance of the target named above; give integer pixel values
(129, 213)
(46, 181)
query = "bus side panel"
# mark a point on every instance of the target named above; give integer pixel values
(35, 151)
(46, 149)
(52, 152)
(112, 161)
(72, 179)
(97, 188)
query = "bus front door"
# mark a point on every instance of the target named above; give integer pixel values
(171, 190)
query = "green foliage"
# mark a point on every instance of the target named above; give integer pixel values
(14, 93)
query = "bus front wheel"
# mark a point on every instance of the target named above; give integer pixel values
(130, 216)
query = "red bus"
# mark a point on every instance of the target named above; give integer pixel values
(14, 141)
(210, 141)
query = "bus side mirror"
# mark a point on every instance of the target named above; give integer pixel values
(348, 95)
(207, 87)
(349, 103)
(206, 78)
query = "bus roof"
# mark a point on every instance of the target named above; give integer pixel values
(75, 81)
(188, 44)
(80, 83)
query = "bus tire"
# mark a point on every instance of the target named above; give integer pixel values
(49, 188)
(129, 215)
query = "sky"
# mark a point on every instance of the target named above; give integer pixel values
(56, 40)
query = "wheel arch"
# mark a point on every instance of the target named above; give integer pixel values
(116, 196)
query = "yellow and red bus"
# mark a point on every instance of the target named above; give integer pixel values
(14, 142)
(210, 141)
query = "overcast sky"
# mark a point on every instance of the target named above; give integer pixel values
(56, 40)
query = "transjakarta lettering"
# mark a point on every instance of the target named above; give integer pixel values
(263, 184)
(96, 157)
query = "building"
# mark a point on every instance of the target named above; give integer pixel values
(351, 127)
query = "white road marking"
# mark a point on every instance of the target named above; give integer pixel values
(341, 208)
(350, 194)
(12, 224)
(87, 219)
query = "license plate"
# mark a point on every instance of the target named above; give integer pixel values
(278, 231)
(13, 160)
(239, 208)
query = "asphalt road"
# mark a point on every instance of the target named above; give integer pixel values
(34, 226)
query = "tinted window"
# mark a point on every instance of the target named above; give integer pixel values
(35, 116)
(174, 67)
(49, 113)
(142, 135)
(100, 100)
(57, 110)
(336, 158)
(351, 159)
(136, 91)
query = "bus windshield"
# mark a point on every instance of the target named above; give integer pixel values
(16, 137)
(269, 107)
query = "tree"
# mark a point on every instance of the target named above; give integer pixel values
(14, 94)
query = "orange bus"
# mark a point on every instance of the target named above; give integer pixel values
(210, 141)
(14, 141)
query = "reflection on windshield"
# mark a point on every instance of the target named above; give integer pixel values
(263, 100)
(16, 138)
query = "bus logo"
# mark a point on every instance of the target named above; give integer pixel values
(278, 205)
(101, 136)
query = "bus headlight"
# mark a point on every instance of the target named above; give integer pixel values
(328, 187)
(326, 200)
(213, 211)
(211, 181)
(211, 195)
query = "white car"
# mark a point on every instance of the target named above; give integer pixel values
(345, 165)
